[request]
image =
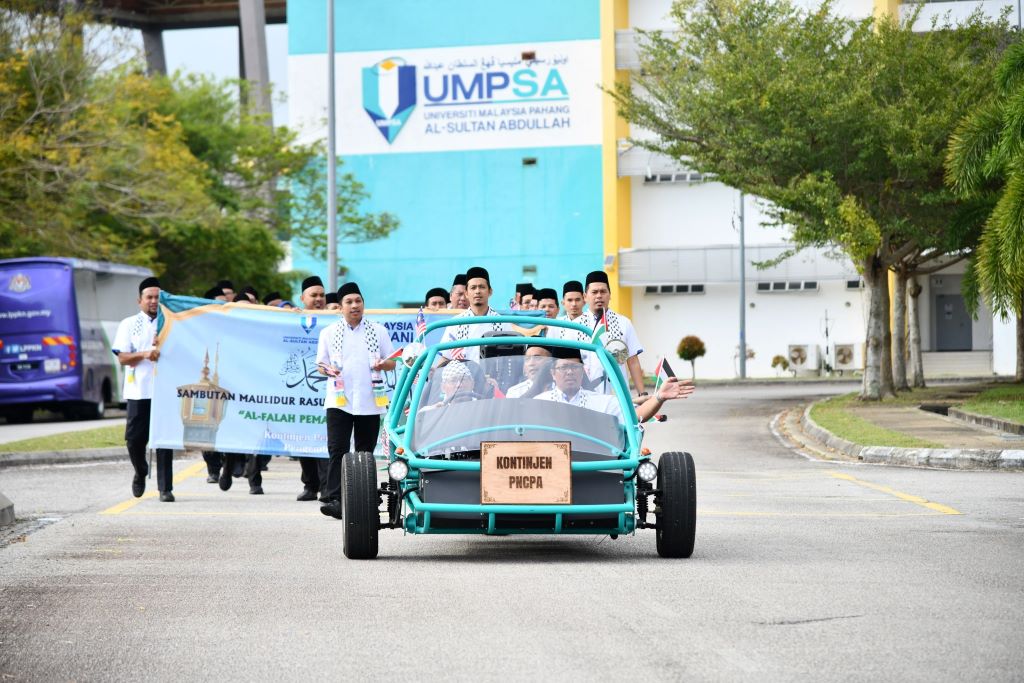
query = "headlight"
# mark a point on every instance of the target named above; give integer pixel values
(647, 471)
(398, 470)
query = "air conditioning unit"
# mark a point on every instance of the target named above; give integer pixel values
(846, 357)
(805, 359)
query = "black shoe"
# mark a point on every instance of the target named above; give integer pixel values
(255, 490)
(307, 495)
(331, 508)
(323, 498)
(166, 497)
(212, 479)
(138, 486)
(264, 468)
(239, 469)
(225, 479)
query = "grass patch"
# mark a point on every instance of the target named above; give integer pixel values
(102, 437)
(838, 415)
(1005, 402)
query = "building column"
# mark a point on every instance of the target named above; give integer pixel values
(153, 46)
(253, 34)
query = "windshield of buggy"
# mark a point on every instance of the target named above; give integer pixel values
(525, 395)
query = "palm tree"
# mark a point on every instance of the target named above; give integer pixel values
(985, 164)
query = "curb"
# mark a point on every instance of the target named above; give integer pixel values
(986, 421)
(942, 458)
(6, 510)
(62, 457)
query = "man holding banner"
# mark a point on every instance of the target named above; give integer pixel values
(314, 473)
(353, 353)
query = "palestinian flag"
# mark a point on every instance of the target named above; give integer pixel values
(661, 374)
(396, 354)
(600, 328)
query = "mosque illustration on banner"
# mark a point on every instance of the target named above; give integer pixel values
(202, 407)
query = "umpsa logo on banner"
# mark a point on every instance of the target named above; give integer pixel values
(389, 95)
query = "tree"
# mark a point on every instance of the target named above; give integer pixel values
(985, 165)
(690, 349)
(840, 124)
(86, 167)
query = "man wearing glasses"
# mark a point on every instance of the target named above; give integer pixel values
(568, 374)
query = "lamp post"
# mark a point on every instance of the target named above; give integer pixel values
(743, 294)
(332, 192)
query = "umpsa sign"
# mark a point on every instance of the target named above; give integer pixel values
(389, 95)
(390, 89)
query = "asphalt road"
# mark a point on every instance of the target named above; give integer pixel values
(802, 571)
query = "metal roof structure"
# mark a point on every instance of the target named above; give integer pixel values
(178, 14)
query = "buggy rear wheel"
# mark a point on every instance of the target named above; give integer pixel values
(360, 504)
(677, 505)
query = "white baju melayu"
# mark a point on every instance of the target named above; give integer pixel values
(602, 403)
(619, 327)
(135, 334)
(518, 390)
(350, 349)
(473, 331)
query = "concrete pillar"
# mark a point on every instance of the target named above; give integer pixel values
(153, 45)
(254, 56)
(6, 510)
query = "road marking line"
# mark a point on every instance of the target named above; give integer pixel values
(187, 473)
(217, 513)
(916, 500)
(815, 515)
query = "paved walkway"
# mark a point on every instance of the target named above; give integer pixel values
(945, 431)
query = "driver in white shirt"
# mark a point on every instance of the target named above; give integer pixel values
(568, 373)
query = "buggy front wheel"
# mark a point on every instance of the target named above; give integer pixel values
(360, 503)
(676, 513)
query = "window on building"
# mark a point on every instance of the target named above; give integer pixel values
(788, 286)
(674, 289)
(855, 284)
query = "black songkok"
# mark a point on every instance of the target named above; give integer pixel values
(546, 293)
(226, 284)
(348, 288)
(565, 352)
(597, 276)
(572, 286)
(273, 296)
(213, 293)
(524, 288)
(147, 283)
(436, 291)
(332, 297)
(249, 289)
(477, 271)
(312, 281)
(241, 298)
(460, 279)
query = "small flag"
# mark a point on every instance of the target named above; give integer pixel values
(421, 323)
(386, 445)
(661, 374)
(396, 354)
(512, 304)
(457, 353)
(600, 328)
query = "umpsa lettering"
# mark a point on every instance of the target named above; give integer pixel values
(441, 89)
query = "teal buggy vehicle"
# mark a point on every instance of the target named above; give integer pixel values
(474, 448)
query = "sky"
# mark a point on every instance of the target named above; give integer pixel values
(215, 51)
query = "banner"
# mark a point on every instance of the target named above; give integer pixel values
(455, 98)
(239, 378)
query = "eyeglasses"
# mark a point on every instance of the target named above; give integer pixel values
(565, 369)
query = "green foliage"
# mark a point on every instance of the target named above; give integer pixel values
(98, 160)
(842, 417)
(690, 348)
(780, 362)
(985, 164)
(841, 124)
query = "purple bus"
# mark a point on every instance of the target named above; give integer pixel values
(57, 319)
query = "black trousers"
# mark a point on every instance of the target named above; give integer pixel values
(311, 478)
(136, 436)
(213, 462)
(248, 463)
(340, 427)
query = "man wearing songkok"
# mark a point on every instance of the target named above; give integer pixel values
(479, 290)
(537, 369)
(272, 299)
(436, 299)
(618, 328)
(547, 301)
(568, 373)
(522, 289)
(353, 353)
(135, 348)
(216, 294)
(228, 287)
(457, 298)
(314, 470)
